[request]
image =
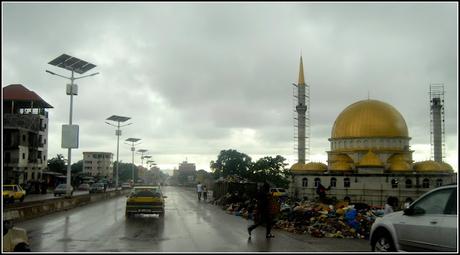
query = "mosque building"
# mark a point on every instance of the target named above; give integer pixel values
(369, 158)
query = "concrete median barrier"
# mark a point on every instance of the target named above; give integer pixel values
(30, 210)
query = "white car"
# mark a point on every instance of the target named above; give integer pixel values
(429, 224)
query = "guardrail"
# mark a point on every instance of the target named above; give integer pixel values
(29, 210)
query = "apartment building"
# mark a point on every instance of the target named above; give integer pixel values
(98, 164)
(25, 134)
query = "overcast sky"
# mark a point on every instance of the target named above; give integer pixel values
(197, 78)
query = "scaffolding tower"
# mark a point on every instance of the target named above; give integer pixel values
(437, 127)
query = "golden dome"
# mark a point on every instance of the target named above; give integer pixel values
(369, 118)
(341, 157)
(311, 167)
(427, 166)
(370, 159)
(396, 157)
(399, 165)
(445, 167)
(341, 166)
(316, 166)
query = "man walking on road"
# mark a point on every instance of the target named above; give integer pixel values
(199, 189)
(264, 214)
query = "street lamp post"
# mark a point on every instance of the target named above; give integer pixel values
(117, 119)
(142, 151)
(69, 138)
(133, 141)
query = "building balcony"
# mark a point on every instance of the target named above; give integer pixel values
(30, 122)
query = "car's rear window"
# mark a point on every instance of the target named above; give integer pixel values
(147, 192)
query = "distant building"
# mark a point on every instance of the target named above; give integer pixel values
(98, 163)
(25, 134)
(187, 167)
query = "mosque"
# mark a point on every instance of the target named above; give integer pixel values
(369, 157)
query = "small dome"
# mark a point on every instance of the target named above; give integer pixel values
(396, 157)
(427, 166)
(399, 165)
(370, 159)
(315, 166)
(311, 167)
(341, 158)
(445, 167)
(341, 166)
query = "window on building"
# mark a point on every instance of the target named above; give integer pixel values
(408, 184)
(317, 182)
(394, 183)
(23, 156)
(44, 141)
(333, 182)
(33, 175)
(25, 175)
(346, 182)
(304, 182)
(438, 182)
(426, 183)
(23, 138)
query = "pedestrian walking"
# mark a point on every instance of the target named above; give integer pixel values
(391, 205)
(205, 193)
(263, 211)
(199, 190)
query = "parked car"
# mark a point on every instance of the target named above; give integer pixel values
(145, 199)
(429, 224)
(97, 187)
(12, 192)
(84, 186)
(125, 185)
(14, 239)
(279, 192)
(61, 190)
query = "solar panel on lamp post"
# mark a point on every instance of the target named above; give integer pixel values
(133, 141)
(69, 138)
(117, 119)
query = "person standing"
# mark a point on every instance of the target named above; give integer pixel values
(263, 211)
(205, 193)
(199, 190)
(390, 206)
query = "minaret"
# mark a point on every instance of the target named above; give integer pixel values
(437, 121)
(301, 109)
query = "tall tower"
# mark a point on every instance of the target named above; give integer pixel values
(437, 121)
(303, 117)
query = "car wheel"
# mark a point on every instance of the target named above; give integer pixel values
(22, 199)
(162, 214)
(383, 243)
(128, 215)
(22, 247)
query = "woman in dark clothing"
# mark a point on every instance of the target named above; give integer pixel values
(263, 213)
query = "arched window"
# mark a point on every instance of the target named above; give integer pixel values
(346, 182)
(317, 182)
(438, 182)
(333, 182)
(304, 182)
(394, 183)
(426, 183)
(408, 183)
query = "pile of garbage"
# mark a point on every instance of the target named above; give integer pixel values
(338, 220)
(342, 220)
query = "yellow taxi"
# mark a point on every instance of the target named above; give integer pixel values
(145, 200)
(12, 192)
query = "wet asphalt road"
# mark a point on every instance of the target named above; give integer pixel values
(188, 226)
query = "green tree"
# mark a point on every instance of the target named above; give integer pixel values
(125, 171)
(231, 162)
(57, 164)
(77, 167)
(272, 170)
